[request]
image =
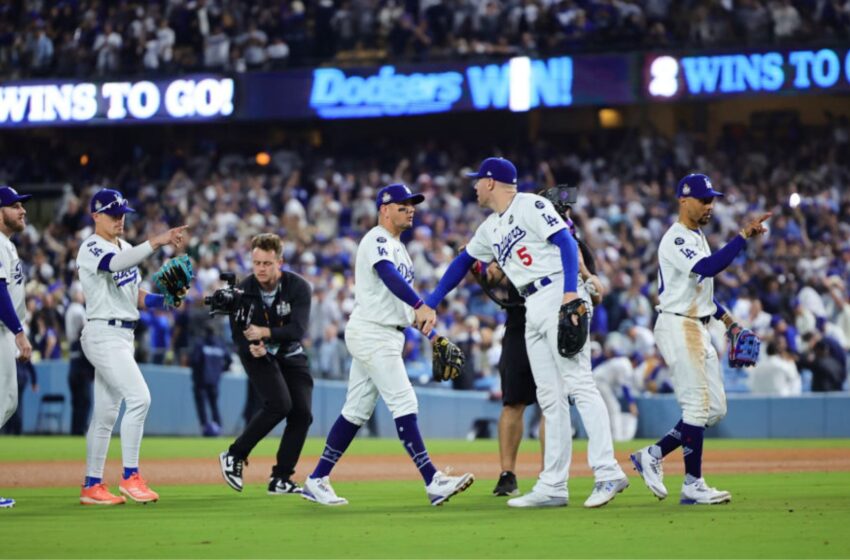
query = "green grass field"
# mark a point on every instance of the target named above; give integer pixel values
(800, 515)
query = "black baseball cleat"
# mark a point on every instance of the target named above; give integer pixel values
(280, 486)
(506, 485)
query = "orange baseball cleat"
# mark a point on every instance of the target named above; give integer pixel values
(137, 489)
(99, 495)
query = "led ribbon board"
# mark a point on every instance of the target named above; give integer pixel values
(804, 71)
(191, 98)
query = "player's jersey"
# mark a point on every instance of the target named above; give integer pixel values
(373, 301)
(13, 273)
(109, 295)
(617, 372)
(518, 239)
(680, 290)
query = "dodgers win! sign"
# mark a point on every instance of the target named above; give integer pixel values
(193, 98)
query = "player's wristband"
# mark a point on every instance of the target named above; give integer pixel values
(154, 301)
(418, 304)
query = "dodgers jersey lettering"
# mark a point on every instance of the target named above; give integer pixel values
(519, 239)
(373, 301)
(109, 295)
(13, 273)
(680, 290)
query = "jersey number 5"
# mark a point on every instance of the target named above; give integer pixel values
(524, 256)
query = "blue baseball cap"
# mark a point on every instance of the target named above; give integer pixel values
(397, 192)
(696, 185)
(109, 201)
(496, 168)
(9, 196)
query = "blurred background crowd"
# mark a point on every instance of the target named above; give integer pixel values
(82, 38)
(791, 288)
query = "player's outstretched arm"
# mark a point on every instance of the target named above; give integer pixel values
(426, 314)
(175, 237)
(716, 263)
(116, 262)
(399, 287)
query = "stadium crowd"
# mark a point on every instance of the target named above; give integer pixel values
(792, 288)
(85, 37)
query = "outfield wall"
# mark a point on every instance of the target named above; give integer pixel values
(444, 413)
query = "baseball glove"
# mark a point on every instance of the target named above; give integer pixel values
(573, 325)
(174, 279)
(744, 346)
(448, 359)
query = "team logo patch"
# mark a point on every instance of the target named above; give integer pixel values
(708, 184)
(511, 219)
(381, 240)
(686, 190)
(539, 205)
(387, 197)
(679, 241)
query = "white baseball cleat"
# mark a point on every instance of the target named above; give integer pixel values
(700, 493)
(319, 490)
(443, 487)
(536, 500)
(649, 468)
(605, 491)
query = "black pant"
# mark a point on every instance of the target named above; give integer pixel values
(80, 382)
(205, 393)
(286, 390)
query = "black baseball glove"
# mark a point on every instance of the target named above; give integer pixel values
(448, 359)
(573, 325)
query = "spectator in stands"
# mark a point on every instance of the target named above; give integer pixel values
(332, 354)
(107, 47)
(80, 370)
(827, 372)
(776, 374)
(210, 359)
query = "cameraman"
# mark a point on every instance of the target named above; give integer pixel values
(268, 322)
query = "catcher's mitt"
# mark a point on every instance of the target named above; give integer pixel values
(174, 279)
(573, 325)
(448, 359)
(744, 346)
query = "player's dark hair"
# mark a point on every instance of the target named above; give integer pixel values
(267, 242)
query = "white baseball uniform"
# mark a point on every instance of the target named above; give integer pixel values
(518, 239)
(112, 296)
(12, 272)
(374, 334)
(686, 303)
(610, 377)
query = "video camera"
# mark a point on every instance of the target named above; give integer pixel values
(227, 300)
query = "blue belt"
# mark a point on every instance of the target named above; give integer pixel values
(122, 324)
(529, 289)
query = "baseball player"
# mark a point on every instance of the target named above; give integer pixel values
(384, 304)
(13, 340)
(517, 380)
(532, 245)
(686, 270)
(109, 275)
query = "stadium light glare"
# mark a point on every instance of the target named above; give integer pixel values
(263, 159)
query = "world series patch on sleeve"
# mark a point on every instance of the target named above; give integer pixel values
(174, 279)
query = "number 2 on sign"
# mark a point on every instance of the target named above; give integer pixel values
(524, 256)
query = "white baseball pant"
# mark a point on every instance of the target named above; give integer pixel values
(377, 368)
(557, 378)
(117, 377)
(8, 375)
(685, 344)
